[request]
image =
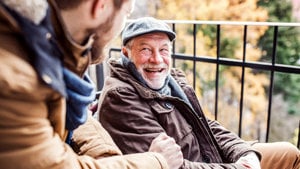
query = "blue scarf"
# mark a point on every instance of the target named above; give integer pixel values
(80, 93)
(46, 58)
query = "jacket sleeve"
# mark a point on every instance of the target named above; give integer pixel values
(197, 165)
(130, 122)
(93, 140)
(231, 145)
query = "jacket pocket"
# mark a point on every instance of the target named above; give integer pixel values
(171, 120)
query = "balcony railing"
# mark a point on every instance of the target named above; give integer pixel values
(272, 67)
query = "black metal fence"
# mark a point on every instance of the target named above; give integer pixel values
(271, 67)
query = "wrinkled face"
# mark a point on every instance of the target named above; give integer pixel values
(151, 54)
(111, 28)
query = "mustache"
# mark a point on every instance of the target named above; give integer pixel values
(155, 66)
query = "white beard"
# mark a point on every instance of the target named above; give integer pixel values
(34, 10)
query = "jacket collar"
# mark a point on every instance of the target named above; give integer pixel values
(33, 10)
(76, 56)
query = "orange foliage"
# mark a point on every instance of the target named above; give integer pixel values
(234, 10)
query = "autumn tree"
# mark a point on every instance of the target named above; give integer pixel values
(286, 85)
(287, 52)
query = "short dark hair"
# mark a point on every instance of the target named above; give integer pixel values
(67, 4)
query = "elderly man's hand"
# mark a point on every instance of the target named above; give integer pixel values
(249, 161)
(168, 148)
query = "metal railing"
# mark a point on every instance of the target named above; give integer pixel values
(271, 67)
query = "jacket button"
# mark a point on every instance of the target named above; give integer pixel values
(206, 158)
(48, 36)
(168, 105)
(47, 79)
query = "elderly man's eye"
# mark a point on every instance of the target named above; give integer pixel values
(146, 49)
(164, 51)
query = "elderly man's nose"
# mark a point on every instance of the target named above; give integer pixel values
(156, 57)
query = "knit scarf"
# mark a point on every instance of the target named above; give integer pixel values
(80, 93)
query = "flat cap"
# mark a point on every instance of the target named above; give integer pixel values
(146, 25)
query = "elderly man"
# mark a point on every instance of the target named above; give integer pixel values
(46, 91)
(144, 97)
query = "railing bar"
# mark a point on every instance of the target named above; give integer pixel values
(238, 23)
(100, 76)
(217, 70)
(242, 82)
(113, 50)
(173, 48)
(194, 52)
(230, 62)
(255, 65)
(270, 105)
(298, 144)
(271, 82)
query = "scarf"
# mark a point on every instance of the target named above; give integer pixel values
(80, 93)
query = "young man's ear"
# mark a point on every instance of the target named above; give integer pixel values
(97, 7)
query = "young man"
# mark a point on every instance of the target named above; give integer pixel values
(45, 90)
(143, 97)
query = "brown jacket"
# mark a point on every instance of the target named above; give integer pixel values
(32, 115)
(134, 114)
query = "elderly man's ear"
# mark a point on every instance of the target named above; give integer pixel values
(124, 51)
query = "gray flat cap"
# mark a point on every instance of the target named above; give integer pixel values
(146, 25)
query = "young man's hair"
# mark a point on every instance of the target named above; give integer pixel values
(67, 4)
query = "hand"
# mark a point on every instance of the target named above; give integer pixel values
(168, 148)
(249, 161)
